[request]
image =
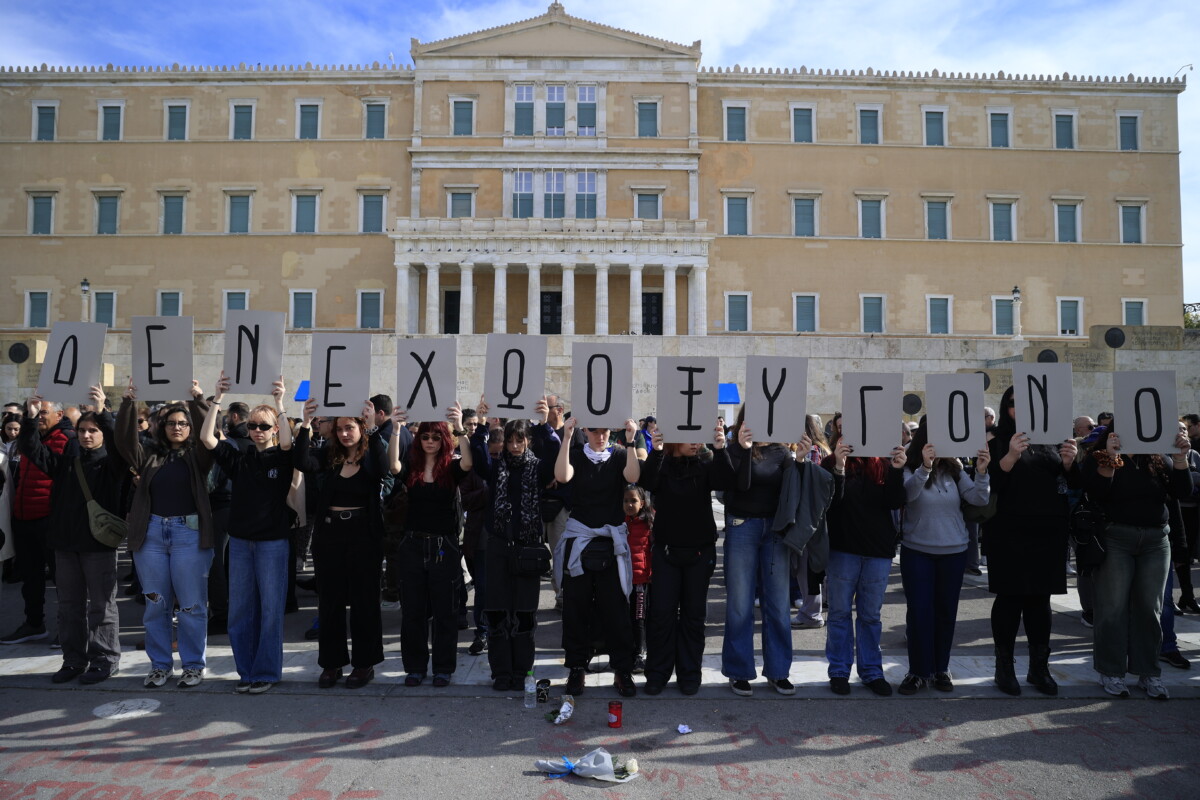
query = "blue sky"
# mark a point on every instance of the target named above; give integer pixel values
(1085, 37)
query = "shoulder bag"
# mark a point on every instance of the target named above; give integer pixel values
(107, 528)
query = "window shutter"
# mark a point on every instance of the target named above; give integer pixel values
(372, 213)
(112, 124)
(306, 213)
(45, 123)
(309, 121)
(107, 222)
(105, 307)
(735, 124)
(1066, 223)
(647, 206)
(647, 119)
(523, 121)
(1069, 311)
(239, 214)
(735, 213)
(39, 309)
(802, 125)
(939, 315)
(170, 304)
(376, 119)
(587, 115)
(872, 223)
(935, 211)
(1131, 224)
(243, 122)
(302, 310)
(369, 310)
(934, 135)
(460, 204)
(522, 205)
(872, 314)
(1064, 130)
(176, 123)
(806, 314)
(173, 214)
(1134, 313)
(1004, 317)
(43, 215)
(868, 126)
(1000, 130)
(554, 206)
(585, 206)
(1002, 222)
(462, 118)
(1129, 133)
(556, 116)
(805, 216)
(738, 313)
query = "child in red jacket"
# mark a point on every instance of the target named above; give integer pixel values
(639, 518)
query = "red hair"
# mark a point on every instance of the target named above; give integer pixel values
(872, 469)
(441, 464)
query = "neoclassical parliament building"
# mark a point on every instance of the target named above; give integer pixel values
(560, 176)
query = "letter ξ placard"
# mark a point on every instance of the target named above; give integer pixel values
(72, 365)
(776, 394)
(253, 350)
(602, 384)
(162, 358)
(426, 377)
(514, 377)
(340, 372)
(1146, 411)
(954, 413)
(687, 398)
(871, 412)
(1043, 402)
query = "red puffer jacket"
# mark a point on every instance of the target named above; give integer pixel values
(639, 548)
(32, 499)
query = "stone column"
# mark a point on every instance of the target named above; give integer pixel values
(602, 299)
(466, 298)
(698, 287)
(433, 297)
(568, 299)
(533, 302)
(635, 298)
(500, 299)
(669, 300)
(403, 277)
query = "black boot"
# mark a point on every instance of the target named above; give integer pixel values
(1039, 676)
(1006, 674)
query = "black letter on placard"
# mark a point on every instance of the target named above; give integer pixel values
(607, 384)
(253, 339)
(1137, 414)
(862, 407)
(74, 342)
(424, 377)
(510, 396)
(772, 397)
(966, 417)
(150, 363)
(1041, 387)
(328, 384)
(690, 392)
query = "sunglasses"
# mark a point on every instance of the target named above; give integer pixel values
(178, 423)
(259, 426)
(141, 421)
(431, 437)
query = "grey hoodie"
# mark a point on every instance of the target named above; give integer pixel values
(933, 520)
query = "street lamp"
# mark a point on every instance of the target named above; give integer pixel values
(85, 289)
(1016, 313)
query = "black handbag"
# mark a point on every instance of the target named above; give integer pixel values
(528, 560)
(597, 556)
(1087, 526)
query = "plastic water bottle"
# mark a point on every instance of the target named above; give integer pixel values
(530, 690)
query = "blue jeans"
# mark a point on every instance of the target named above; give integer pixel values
(1129, 600)
(257, 590)
(859, 583)
(932, 584)
(172, 566)
(752, 549)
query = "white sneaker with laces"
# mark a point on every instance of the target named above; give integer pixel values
(157, 678)
(1115, 686)
(191, 677)
(1153, 687)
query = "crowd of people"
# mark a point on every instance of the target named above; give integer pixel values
(220, 506)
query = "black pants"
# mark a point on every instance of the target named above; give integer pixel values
(675, 618)
(88, 624)
(1183, 572)
(1007, 612)
(510, 602)
(347, 557)
(391, 573)
(430, 577)
(32, 554)
(218, 573)
(596, 598)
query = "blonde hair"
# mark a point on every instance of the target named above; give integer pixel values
(266, 411)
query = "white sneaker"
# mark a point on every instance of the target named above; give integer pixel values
(1153, 687)
(1116, 686)
(191, 677)
(157, 678)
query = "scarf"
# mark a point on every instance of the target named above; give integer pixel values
(593, 456)
(529, 531)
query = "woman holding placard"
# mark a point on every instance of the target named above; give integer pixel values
(170, 531)
(1027, 544)
(347, 542)
(933, 555)
(259, 531)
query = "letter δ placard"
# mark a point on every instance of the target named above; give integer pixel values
(776, 397)
(1146, 411)
(954, 409)
(687, 398)
(340, 372)
(253, 350)
(602, 384)
(871, 407)
(514, 377)
(1043, 401)
(426, 377)
(162, 358)
(72, 364)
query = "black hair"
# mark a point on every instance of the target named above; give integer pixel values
(1006, 426)
(383, 403)
(160, 429)
(916, 458)
(239, 410)
(516, 427)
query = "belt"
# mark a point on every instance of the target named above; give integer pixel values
(345, 515)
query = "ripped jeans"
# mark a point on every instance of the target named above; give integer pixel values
(173, 567)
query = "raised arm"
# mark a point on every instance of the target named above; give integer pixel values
(127, 441)
(399, 423)
(454, 418)
(208, 429)
(563, 471)
(633, 464)
(31, 446)
(303, 458)
(279, 391)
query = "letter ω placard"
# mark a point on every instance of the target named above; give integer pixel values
(871, 411)
(514, 378)
(687, 398)
(1043, 402)
(954, 407)
(776, 394)
(162, 358)
(1146, 411)
(340, 373)
(72, 364)
(253, 350)
(426, 377)
(602, 384)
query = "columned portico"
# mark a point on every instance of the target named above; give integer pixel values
(500, 299)
(533, 303)
(433, 298)
(669, 300)
(698, 300)
(635, 298)
(403, 279)
(568, 299)
(602, 300)
(466, 301)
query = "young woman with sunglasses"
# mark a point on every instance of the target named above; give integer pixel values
(431, 551)
(259, 528)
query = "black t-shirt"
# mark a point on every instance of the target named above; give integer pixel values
(597, 490)
(171, 490)
(766, 480)
(260, 482)
(431, 507)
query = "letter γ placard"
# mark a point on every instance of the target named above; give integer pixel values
(426, 377)
(871, 411)
(687, 398)
(954, 410)
(253, 350)
(776, 397)
(514, 377)
(602, 384)
(1043, 402)
(1146, 411)
(340, 371)
(162, 358)
(72, 365)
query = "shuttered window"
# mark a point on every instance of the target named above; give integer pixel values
(1068, 317)
(585, 195)
(1131, 224)
(1135, 312)
(310, 121)
(38, 315)
(586, 111)
(736, 216)
(556, 110)
(555, 198)
(372, 213)
(302, 309)
(737, 312)
(172, 221)
(176, 123)
(523, 111)
(376, 120)
(872, 314)
(999, 125)
(806, 313)
(1129, 132)
(939, 315)
(370, 310)
(43, 215)
(1067, 217)
(306, 213)
(45, 123)
(239, 213)
(464, 116)
(871, 212)
(804, 210)
(1002, 312)
(460, 204)
(522, 195)
(106, 214)
(1064, 131)
(170, 304)
(1002, 227)
(243, 122)
(936, 219)
(802, 125)
(647, 206)
(104, 308)
(868, 126)
(935, 135)
(647, 119)
(735, 124)
(111, 131)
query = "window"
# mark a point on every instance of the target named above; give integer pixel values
(177, 122)
(1064, 130)
(1002, 220)
(45, 121)
(1127, 127)
(170, 303)
(735, 123)
(372, 212)
(1002, 316)
(1070, 316)
(462, 204)
(107, 213)
(370, 309)
(585, 111)
(938, 310)
(555, 205)
(737, 312)
(804, 212)
(935, 126)
(239, 213)
(308, 120)
(1131, 224)
(1134, 312)
(111, 114)
(41, 216)
(998, 127)
(647, 120)
(172, 213)
(803, 123)
(868, 124)
(872, 313)
(556, 111)
(235, 300)
(737, 216)
(870, 218)
(375, 120)
(805, 313)
(464, 117)
(522, 200)
(1066, 222)
(647, 206)
(523, 111)
(37, 309)
(303, 304)
(104, 308)
(241, 121)
(937, 219)
(304, 213)
(585, 195)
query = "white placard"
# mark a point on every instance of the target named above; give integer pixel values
(776, 397)
(687, 398)
(602, 384)
(1042, 400)
(514, 377)
(72, 366)
(1146, 411)
(871, 407)
(340, 373)
(954, 413)
(426, 377)
(162, 358)
(253, 350)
